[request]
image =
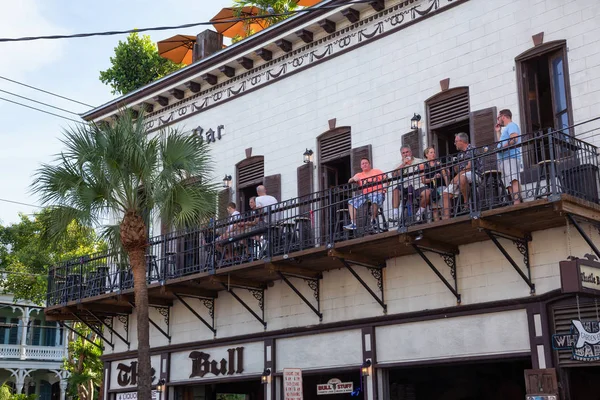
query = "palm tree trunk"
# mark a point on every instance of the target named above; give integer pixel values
(140, 292)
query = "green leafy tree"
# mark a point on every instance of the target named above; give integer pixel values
(25, 256)
(5, 393)
(265, 7)
(84, 364)
(120, 169)
(135, 64)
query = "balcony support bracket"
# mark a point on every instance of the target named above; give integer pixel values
(95, 329)
(258, 294)
(522, 245)
(124, 319)
(583, 234)
(109, 326)
(313, 284)
(75, 331)
(376, 271)
(209, 303)
(450, 260)
(165, 314)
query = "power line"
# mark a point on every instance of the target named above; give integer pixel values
(38, 102)
(165, 28)
(40, 110)
(45, 91)
(20, 203)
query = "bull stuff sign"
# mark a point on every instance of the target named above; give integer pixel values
(203, 365)
(583, 341)
(335, 386)
(127, 374)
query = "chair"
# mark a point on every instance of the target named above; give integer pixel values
(491, 190)
(545, 174)
(304, 235)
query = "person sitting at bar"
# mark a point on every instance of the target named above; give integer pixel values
(465, 175)
(409, 186)
(509, 160)
(230, 231)
(372, 191)
(431, 176)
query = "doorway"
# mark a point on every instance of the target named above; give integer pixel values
(443, 137)
(244, 195)
(238, 390)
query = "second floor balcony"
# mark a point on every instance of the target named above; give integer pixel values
(502, 190)
(28, 352)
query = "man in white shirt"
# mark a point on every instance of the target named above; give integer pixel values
(410, 183)
(265, 200)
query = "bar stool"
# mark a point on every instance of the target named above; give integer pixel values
(342, 218)
(544, 173)
(286, 233)
(492, 192)
(304, 237)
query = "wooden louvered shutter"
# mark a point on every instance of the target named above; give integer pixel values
(37, 333)
(412, 139)
(335, 144)
(50, 333)
(541, 381)
(357, 154)
(273, 185)
(251, 172)
(482, 125)
(305, 185)
(13, 333)
(562, 325)
(224, 200)
(448, 108)
(2, 330)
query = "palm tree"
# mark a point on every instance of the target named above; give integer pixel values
(120, 170)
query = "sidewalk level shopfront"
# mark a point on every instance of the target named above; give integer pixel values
(478, 295)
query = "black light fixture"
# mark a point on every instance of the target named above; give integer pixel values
(366, 368)
(227, 181)
(266, 376)
(160, 386)
(307, 156)
(414, 121)
(419, 236)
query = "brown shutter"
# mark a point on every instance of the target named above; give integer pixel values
(273, 185)
(357, 154)
(305, 184)
(541, 381)
(448, 107)
(224, 200)
(250, 172)
(482, 125)
(334, 144)
(412, 139)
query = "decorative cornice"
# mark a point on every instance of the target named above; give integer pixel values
(357, 34)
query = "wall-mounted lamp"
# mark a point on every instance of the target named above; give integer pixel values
(366, 368)
(419, 236)
(307, 156)
(227, 181)
(160, 386)
(266, 376)
(414, 121)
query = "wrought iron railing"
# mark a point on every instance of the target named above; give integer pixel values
(545, 165)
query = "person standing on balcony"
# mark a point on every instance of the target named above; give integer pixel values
(372, 191)
(264, 200)
(508, 136)
(410, 184)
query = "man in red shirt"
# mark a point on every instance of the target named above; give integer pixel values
(372, 191)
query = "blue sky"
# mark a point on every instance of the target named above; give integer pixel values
(67, 67)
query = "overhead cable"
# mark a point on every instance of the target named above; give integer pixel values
(45, 91)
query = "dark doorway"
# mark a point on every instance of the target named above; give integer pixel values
(497, 380)
(583, 382)
(443, 137)
(245, 193)
(335, 172)
(241, 390)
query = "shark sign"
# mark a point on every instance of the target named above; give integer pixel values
(583, 341)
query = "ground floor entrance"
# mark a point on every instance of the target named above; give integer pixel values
(494, 380)
(330, 385)
(583, 382)
(233, 390)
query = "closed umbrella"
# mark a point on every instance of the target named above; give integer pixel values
(225, 21)
(177, 48)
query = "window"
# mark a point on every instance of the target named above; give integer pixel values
(544, 88)
(448, 113)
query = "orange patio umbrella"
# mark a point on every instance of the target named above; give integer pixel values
(225, 21)
(177, 48)
(308, 3)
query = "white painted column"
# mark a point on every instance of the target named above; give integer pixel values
(25, 322)
(369, 394)
(63, 387)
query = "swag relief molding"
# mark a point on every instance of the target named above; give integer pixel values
(364, 31)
